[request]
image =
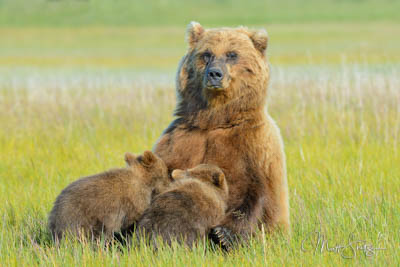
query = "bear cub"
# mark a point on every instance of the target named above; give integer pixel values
(111, 201)
(194, 203)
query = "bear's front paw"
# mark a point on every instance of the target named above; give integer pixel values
(223, 237)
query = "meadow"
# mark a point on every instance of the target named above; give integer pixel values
(75, 95)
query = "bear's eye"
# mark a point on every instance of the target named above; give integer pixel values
(231, 55)
(206, 56)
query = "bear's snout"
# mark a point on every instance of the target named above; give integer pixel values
(214, 76)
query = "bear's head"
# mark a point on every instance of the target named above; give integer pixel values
(223, 66)
(151, 168)
(206, 173)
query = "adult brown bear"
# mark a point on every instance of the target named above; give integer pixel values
(221, 119)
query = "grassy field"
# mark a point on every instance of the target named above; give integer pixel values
(76, 94)
(177, 12)
(150, 48)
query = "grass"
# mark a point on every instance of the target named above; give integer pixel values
(340, 126)
(82, 82)
(62, 13)
(162, 47)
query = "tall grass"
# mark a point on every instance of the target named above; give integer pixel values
(341, 127)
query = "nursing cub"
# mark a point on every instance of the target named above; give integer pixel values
(111, 201)
(194, 203)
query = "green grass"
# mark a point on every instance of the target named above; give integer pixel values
(178, 12)
(340, 126)
(162, 47)
(82, 82)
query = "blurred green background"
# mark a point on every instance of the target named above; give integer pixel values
(150, 35)
(176, 13)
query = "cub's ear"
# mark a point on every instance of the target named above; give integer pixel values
(259, 39)
(178, 174)
(148, 159)
(194, 33)
(218, 179)
(130, 159)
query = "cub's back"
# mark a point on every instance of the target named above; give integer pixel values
(93, 198)
(99, 188)
(187, 210)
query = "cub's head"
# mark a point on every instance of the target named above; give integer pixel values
(222, 65)
(206, 173)
(150, 167)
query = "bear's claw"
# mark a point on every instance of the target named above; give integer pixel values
(223, 237)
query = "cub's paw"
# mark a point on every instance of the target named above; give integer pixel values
(223, 237)
(124, 237)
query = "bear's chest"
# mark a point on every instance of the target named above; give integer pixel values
(232, 151)
(187, 148)
(222, 147)
(228, 150)
(223, 144)
(182, 149)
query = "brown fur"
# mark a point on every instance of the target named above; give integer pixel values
(110, 201)
(228, 126)
(189, 208)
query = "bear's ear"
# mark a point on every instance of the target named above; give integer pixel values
(148, 159)
(218, 179)
(259, 39)
(194, 33)
(178, 174)
(130, 159)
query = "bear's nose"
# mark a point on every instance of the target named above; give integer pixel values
(215, 75)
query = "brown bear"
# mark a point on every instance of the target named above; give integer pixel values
(221, 119)
(110, 201)
(194, 203)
